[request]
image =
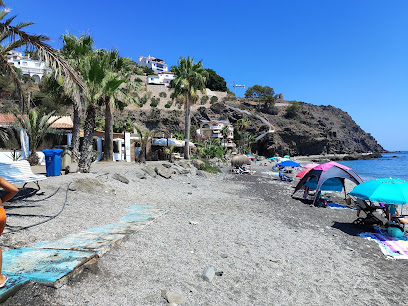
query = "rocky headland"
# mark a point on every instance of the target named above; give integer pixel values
(315, 130)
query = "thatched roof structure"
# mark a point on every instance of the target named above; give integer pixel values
(239, 160)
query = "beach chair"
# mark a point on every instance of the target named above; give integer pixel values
(368, 208)
(237, 170)
(285, 178)
(19, 172)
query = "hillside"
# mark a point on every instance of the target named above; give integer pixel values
(316, 129)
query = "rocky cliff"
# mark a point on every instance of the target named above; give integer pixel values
(315, 130)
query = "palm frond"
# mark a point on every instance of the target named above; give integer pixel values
(49, 55)
(4, 65)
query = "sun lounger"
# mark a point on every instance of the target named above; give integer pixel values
(19, 172)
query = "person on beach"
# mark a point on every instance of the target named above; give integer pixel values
(11, 191)
(392, 209)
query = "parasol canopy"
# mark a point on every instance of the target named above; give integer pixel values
(240, 160)
(386, 190)
(289, 163)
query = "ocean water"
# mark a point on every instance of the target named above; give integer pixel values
(393, 165)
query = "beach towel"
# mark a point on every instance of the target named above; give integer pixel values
(338, 206)
(392, 247)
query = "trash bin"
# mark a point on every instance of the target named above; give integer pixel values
(66, 158)
(53, 161)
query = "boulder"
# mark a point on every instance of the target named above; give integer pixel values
(185, 164)
(163, 171)
(137, 173)
(167, 164)
(150, 171)
(202, 173)
(198, 163)
(120, 178)
(173, 297)
(193, 171)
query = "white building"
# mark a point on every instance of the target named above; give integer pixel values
(34, 68)
(162, 78)
(213, 129)
(156, 64)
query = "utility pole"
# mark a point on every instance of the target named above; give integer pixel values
(236, 85)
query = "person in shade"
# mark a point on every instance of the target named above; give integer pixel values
(11, 191)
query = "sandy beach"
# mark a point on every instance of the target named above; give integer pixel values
(268, 248)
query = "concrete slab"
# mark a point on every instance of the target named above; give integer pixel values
(97, 242)
(117, 228)
(46, 266)
(143, 214)
(14, 283)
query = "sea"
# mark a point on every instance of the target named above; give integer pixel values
(394, 165)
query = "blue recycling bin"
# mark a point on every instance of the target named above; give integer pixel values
(53, 161)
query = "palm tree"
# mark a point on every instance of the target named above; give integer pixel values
(190, 78)
(144, 138)
(248, 140)
(36, 125)
(119, 92)
(225, 132)
(103, 87)
(12, 37)
(243, 123)
(74, 51)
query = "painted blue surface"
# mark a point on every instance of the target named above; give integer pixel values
(116, 228)
(43, 265)
(84, 240)
(12, 282)
(49, 261)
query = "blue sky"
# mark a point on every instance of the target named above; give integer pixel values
(351, 54)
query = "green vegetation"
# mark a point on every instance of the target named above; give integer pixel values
(36, 125)
(148, 71)
(215, 82)
(204, 99)
(265, 96)
(210, 148)
(208, 167)
(162, 94)
(120, 126)
(213, 99)
(154, 102)
(144, 137)
(293, 109)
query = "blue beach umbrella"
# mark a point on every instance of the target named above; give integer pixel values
(386, 190)
(289, 163)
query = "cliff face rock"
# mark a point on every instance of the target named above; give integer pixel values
(315, 130)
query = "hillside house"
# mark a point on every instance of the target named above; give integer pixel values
(156, 64)
(213, 128)
(162, 78)
(34, 68)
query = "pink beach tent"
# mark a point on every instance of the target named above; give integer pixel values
(311, 165)
(328, 165)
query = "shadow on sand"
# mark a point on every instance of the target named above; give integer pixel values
(352, 229)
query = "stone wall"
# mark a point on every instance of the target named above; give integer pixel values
(153, 91)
